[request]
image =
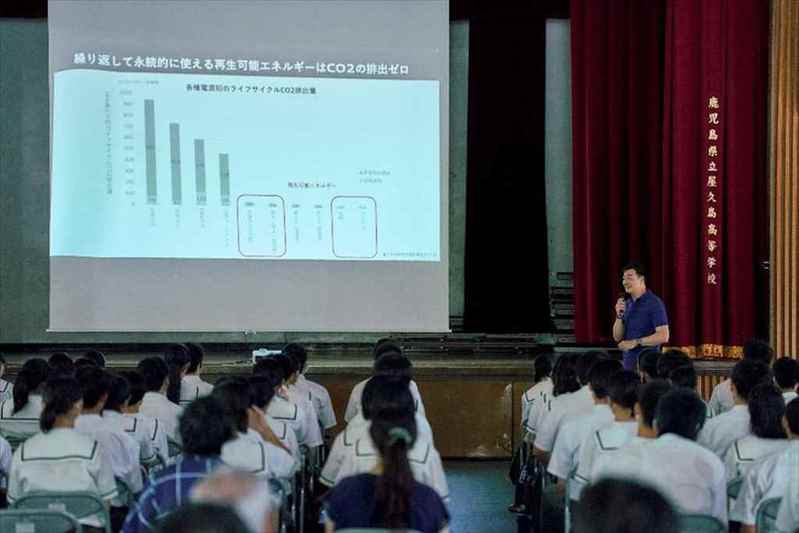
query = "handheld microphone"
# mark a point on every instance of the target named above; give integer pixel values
(623, 296)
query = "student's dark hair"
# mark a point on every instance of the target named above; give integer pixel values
(623, 389)
(60, 395)
(766, 409)
(298, 353)
(635, 265)
(564, 377)
(747, 374)
(649, 395)
(153, 371)
(385, 345)
(393, 364)
(97, 356)
(271, 369)
(792, 415)
(680, 411)
(202, 518)
(82, 361)
(95, 383)
(288, 363)
(235, 395)
(786, 372)
(624, 506)
(196, 356)
(118, 393)
(263, 390)
(683, 376)
(30, 378)
(542, 367)
(671, 359)
(176, 357)
(136, 383)
(204, 427)
(61, 365)
(648, 362)
(758, 350)
(393, 431)
(600, 374)
(382, 388)
(585, 362)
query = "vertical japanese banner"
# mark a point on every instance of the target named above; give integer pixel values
(714, 163)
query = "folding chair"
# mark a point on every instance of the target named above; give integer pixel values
(734, 488)
(282, 488)
(766, 520)
(81, 505)
(38, 521)
(175, 449)
(699, 523)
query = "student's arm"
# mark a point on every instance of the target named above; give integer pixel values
(257, 422)
(618, 330)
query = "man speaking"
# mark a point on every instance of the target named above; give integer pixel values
(641, 319)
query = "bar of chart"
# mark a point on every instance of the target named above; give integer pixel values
(161, 166)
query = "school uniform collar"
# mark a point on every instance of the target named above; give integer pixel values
(601, 408)
(90, 418)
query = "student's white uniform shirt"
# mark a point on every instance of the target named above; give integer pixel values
(286, 435)
(152, 429)
(788, 396)
(573, 432)
(573, 403)
(193, 387)
(749, 450)
(248, 452)
(721, 431)
(133, 428)
(768, 478)
(597, 445)
(721, 399)
(61, 460)
(304, 425)
(308, 410)
(6, 390)
(321, 400)
(158, 406)
(533, 401)
(5, 457)
(354, 403)
(788, 515)
(24, 422)
(689, 475)
(424, 460)
(123, 452)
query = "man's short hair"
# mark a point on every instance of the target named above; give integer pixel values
(263, 390)
(600, 375)
(61, 364)
(786, 372)
(196, 356)
(623, 389)
(384, 346)
(393, 364)
(623, 506)
(288, 363)
(136, 384)
(649, 395)
(94, 384)
(235, 395)
(154, 372)
(683, 376)
(585, 362)
(204, 427)
(766, 409)
(648, 362)
(792, 415)
(270, 368)
(682, 412)
(759, 350)
(97, 356)
(635, 265)
(671, 359)
(747, 374)
(298, 353)
(118, 393)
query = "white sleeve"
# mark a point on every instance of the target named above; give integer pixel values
(561, 462)
(347, 468)
(281, 463)
(545, 436)
(788, 515)
(327, 416)
(5, 457)
(334, 461)
(745, 505)
(417, 398)
(526, 405)
(15, 479)
(720, 493)
(313, 435)
(160, 441)
(435, 475)
(715, 402)
(730, 463)
(133, 476)
(353, 404)
(102, 471)
(585, 462)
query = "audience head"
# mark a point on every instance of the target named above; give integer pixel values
(584, 363)
(542, 367)
(633, 277)
(61, 364)
(118, 394)
(683, 376)
(204, 427)
(649, 395)
(758, 350)
(599, 377)
(384, 346)
(786, 373)
(177, 360)
(2, 365)
(96, 356)
(29, 381)
(263, 390)
(746, 375)
(236, 397)
(671, 359)
(202, 518)
(681, 412)
(648, 364)
(196, 357)
(154, 372)
(82, 361)
(564, 376)
(249, 497)
(790, 422)
(271, 369)
(384, 389)
(621, 506)
(393, 364)
(623, 392)
(766, 409)
(290, 368)
(63, 399)
(137, 389)
(298, 353)
(95, 384)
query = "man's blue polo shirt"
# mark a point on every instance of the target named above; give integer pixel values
(641, 317)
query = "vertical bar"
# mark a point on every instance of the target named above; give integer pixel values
(149, 150)
(224, 178)
(174, 149)
(199, 170)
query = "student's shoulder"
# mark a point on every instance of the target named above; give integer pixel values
(50, 446)
(611, 438)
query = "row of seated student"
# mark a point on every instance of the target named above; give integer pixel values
(585, 419)
(154, 440)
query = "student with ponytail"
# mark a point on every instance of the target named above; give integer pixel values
(19, 416)
(177, 361)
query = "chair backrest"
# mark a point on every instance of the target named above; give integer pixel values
(734, 487)
(38, 521)
(700, 523)
(15, 439)
(82, 505)
(175, 449)
(767, 515)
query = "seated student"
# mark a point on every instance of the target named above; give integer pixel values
(575, 403)
(623, 395)
(389, 493)
(786, 374)
(535, 398)
(85, 361)
(97, 357)
(317, 393)
(292, 394)
(254, 448)
(722, 400)
(204, 429)
(115, 404)
(722, 430)
(576, 428)
(770, 477)
(394, 395)
(144, 424)
(620, 506)
(564, 381)
(6, 387)
(669, 360)
(59, 458)
(263, 391)
(689, 475)
(192, 386)
(766, 411)
(155, 404)
(383, 347)
(285, 411)
(61, 365)
(19, 416)
(177, 362)
(685, 376)
(648, 364)
(788, 514)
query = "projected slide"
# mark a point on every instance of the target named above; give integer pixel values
(150, 165)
